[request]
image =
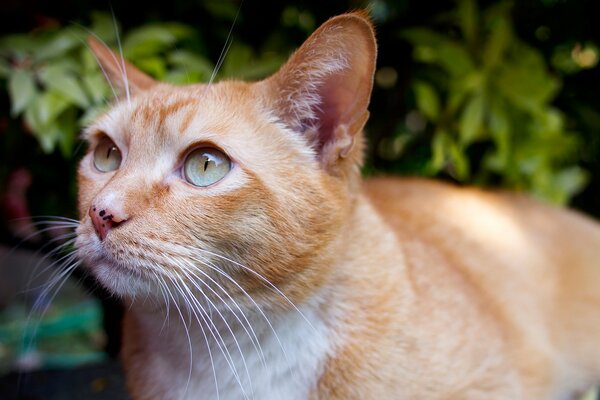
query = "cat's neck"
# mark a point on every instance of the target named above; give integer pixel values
(276, 344)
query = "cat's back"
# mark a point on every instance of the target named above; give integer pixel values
(537, 266)
(464, 219)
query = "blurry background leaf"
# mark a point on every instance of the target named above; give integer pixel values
(21, 88)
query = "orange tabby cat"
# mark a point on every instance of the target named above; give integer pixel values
(232, 220)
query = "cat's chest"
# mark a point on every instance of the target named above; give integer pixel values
(222, 356)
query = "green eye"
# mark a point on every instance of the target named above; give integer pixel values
(107, 156)
(205, 166)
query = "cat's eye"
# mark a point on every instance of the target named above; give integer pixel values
(206, 166)
(107, 156)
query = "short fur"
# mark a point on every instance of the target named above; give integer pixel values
(290, 278)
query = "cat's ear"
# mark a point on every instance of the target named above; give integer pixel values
(120, 73)
(324, 89)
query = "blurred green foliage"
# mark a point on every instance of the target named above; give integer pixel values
(484, 100)
(56, 85)
(486, 86)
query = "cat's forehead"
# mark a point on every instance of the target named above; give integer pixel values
(171, 113)
(230, 115)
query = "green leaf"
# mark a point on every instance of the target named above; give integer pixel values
(471, 120)
(47, 107)
(104, 27)
(499, 38)
(191, 63)
(221, 9)
(500, 129)
(439, 144)
(525, 81)
(22, 90)
(571, 181)
(67, 132)
(5, 69)
(154, 66)
(56, 78)
(450, 55)
(19, 45)
(96, 87)
(467, 16)
(60, 44)
(150, 40)
(459, 162)
(427, 100)
(92, 114)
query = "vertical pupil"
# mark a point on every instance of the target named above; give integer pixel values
(206, 161)
(110, 149)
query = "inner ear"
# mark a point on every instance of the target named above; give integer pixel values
(120, 73)
(323, 91)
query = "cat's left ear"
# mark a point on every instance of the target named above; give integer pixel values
(120, 73)
(323, 90)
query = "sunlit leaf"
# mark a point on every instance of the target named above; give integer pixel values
(192, 63)
(525, 80)
(150, 40)
(439, 144)
(55, 78)
(21, 88)
(471, 119)
(96, 87)
(154, 66)
(61, 43)
(459, 162)
(427, 100)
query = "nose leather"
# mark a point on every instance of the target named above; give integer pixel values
(104, 220)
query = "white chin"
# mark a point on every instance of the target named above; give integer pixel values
(122, 283)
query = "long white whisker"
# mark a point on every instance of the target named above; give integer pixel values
(112, 88)
(226, 46)
(187, 332)
(193, 303)
(261, 312)
(187, 274)
(265, 280)
(253, 337)
(123, 69)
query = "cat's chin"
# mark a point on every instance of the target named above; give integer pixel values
(121, 281)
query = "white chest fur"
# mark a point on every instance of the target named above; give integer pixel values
(211, 359)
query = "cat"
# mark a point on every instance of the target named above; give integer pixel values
(255, 262)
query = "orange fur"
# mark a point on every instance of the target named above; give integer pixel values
(425, 290)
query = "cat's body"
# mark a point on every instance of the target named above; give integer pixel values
(307, 283)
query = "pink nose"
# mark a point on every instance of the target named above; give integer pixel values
(104, 220)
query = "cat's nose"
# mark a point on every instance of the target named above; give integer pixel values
(105, 219)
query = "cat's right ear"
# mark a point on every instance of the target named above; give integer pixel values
(120, 73)
(323, 90)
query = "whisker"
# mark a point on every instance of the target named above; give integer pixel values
(187, 333)
(226, 46)
(89, 32)
(253, 337)
(265, 280)
(213, 330)
(123, 69)
(233, 336)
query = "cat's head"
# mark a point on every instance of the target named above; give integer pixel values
(232, 186)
